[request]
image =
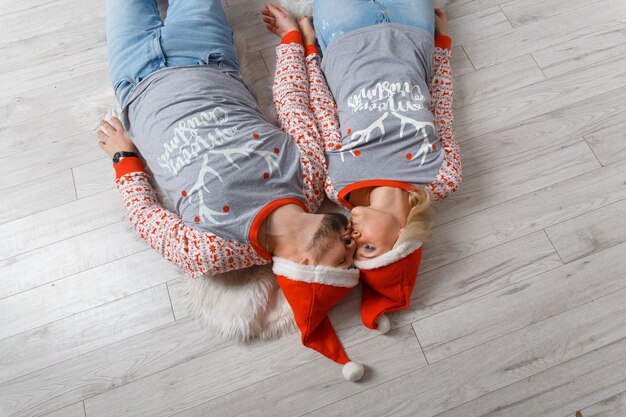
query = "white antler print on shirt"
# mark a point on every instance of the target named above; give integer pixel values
(364, 135)
(420, 128)
(271, 158)
(204, 212)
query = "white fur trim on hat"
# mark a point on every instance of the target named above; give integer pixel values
(321, 274)
(390, 257)
(353, 371)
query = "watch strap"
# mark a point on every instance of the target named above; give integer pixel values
(118, 156)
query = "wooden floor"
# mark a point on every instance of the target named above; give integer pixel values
(520, 307)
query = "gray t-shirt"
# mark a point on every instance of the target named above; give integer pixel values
(379, 77)
(211, 150)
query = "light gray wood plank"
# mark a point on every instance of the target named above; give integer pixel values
(75, 410)
(495, 80)
(258, 37)
(529, 173)
(58, 69)
(13, 7)
(523, 12)
(559, 390)
(310, 386)
(106, 368)
(67, 257)
(481, 24)
(26, 23)
(486, 368)
(245, 13)
(609, 144)
(613, 406)
(83, 332)
(601, 45)
(460, 63)
(517, 306)
(590, 233)
(526, 214)
(94, 177)
(178, 298)
(69, 40)
(48, 159)
(546, 96)
(85, 97)
(561, 126)
(29, 198)
(319, 380)
(460, 8)
(594, 17)
(458, 283)
(60, 223)
(76, 293)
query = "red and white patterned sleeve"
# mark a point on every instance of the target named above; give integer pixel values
(448, 179)
(325, 111)
(195, 252)
(294, 115)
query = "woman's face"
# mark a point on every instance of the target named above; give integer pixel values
(375, 232)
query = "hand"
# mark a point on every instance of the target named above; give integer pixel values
(441, 21)
(114, 138)
(306, 28)
(278, 19)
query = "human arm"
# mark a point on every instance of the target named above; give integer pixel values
(322, 101)
(292, 100)
(195, 252)
(449, 177)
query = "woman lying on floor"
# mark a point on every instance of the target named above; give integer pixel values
(395, 149)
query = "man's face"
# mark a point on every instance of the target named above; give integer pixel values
(332, 244)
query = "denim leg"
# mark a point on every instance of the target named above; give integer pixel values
(418, 13)
(133, 46)
(333, 18)
(197, 32)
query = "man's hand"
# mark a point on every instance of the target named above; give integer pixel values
(278, 19)
(441, 21)
(113, 137)
(306, 28)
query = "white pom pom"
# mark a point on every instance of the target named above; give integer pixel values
(353, 371)
(383, 323)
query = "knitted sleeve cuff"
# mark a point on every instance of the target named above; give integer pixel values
(292, 37)
(443, 41)
(310, 50)
(128, 165)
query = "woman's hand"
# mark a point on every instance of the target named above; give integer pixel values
(113, 137)
(441, 21)
(306, 28)
(278, 19)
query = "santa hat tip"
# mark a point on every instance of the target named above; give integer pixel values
(353, 371)
(383, 323)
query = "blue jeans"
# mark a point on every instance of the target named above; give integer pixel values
(195, 32)
(336, 17)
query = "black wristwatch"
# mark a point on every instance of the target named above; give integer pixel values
(123, 154)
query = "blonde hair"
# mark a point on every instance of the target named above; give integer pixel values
(419, 221)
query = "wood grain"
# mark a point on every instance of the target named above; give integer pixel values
(83, 332)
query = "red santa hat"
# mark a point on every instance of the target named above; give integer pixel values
(388, 281)
(311, 291)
